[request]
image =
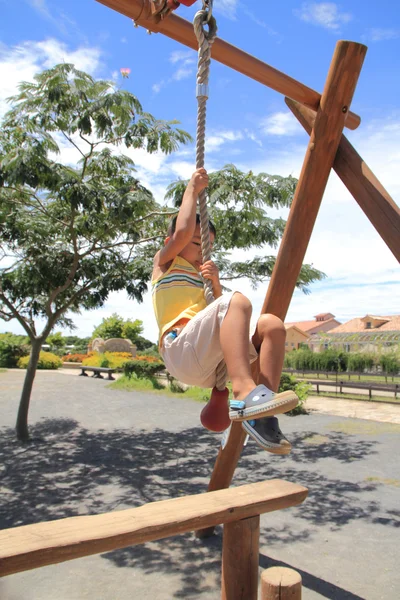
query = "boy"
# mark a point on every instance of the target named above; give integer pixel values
(195, 337)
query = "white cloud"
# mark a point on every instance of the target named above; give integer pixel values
(215, 141)
(185, 62)
(181, 56)
(280, 123)
(324, 14)
(23, 61)
(226, 7)
(379, 35)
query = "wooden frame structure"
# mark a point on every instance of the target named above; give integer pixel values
(239, 509)
(324, 117)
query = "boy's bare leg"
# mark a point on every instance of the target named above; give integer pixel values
(234, 337)
(269, 341)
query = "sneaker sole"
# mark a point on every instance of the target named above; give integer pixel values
(268, 446)
(282, 403)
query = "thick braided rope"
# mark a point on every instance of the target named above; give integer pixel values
(205, 40)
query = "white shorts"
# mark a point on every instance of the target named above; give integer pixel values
(193, 356)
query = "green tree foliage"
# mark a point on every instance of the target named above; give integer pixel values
(56, 340)
(12, 348)
(72, 230)
(117, 327)
(238, 205)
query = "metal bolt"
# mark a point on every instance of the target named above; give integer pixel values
(344, 109)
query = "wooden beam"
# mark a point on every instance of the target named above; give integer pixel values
(32, 546)
(181, 31)
(321, 151)
(224, 467)
(240, 556)
(366, 189)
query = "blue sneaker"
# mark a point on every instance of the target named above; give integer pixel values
(267, 434)
(262, 402)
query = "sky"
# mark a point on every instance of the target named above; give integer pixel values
(247, 123)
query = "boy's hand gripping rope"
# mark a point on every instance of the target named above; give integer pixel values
(205, 39)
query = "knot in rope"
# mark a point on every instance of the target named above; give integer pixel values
(205, 40)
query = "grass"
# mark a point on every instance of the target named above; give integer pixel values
(156, 387)
(345, 377)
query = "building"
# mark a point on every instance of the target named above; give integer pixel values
(303, 332)
(294, 337)
(372, 333)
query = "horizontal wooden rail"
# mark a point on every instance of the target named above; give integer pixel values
(181, 30)
(37, 545)
(369, 387)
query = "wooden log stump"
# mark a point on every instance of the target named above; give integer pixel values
(280, 583)
(240, 559)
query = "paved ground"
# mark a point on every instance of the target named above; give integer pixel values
(96, 450)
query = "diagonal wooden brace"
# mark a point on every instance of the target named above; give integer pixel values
(366, 189)
(324, 141)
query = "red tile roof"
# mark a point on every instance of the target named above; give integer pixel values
(307, 325)
(356, 325)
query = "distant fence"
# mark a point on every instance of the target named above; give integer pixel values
(394, 388)
(337, 374)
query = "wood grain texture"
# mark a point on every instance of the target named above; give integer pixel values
(361, 182)
(280, 583)
(240, 556)
(32, 546)
(321, 151)
(181, 31)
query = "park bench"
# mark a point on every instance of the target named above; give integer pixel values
(97, 372)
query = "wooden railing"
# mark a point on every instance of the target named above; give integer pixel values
(239, 509)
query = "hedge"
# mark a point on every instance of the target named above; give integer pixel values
(47, 360)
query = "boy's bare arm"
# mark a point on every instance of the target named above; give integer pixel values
(186, 221)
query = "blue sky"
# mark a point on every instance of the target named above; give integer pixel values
(248, 124)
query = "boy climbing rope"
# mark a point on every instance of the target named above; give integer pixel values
(194, 337)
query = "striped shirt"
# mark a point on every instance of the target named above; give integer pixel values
(177, 294)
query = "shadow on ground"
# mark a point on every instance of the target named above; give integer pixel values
(67, 470)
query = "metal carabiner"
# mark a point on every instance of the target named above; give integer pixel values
(208, 6)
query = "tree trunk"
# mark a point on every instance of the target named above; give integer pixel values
(22, 418)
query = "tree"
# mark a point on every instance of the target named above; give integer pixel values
(116, 327)
(56, 340)
(71, 234)
(238, 206)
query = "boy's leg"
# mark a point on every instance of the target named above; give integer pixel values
(269, 341)
(251, 400)
(234, 339)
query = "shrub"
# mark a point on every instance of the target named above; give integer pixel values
(301, 388)
(47, 360)
(143, 369)
(390, 363)
(12, 348)
(78, 358)
(114, 360)
(360, 361)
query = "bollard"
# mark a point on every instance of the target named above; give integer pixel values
(280, 583)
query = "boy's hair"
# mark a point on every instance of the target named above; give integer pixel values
(172, 225)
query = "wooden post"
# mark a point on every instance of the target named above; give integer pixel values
(181, 30)
(366, 189)
(240, 560)
(325, 137)
(280, 583)
(324, 141)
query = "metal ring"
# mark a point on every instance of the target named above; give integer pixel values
(208, 7)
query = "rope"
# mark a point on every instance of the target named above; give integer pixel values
(205, 40)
